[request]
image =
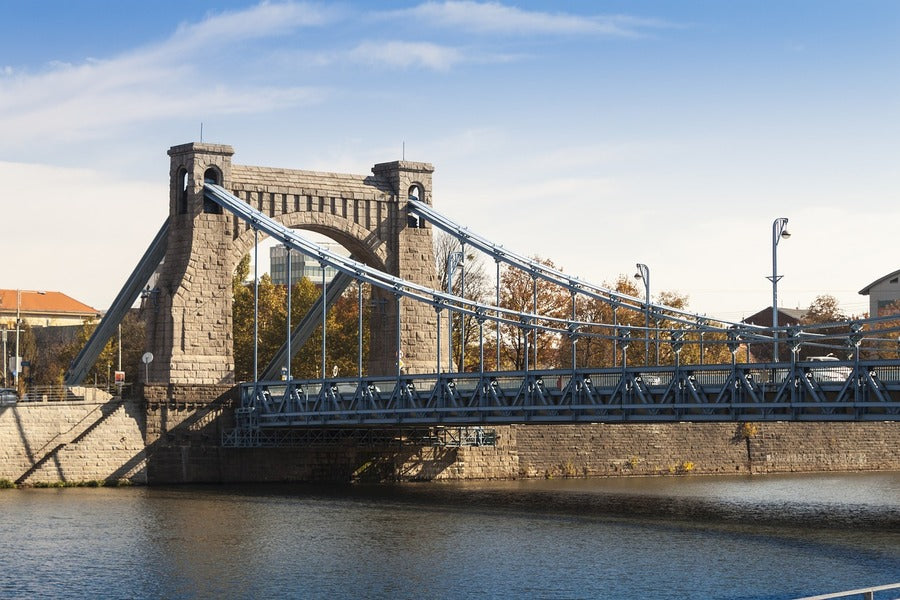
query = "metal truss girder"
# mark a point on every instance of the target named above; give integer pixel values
(699, 393)
(383, 438)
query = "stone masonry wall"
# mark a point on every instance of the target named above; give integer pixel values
(175, 437)
(189, 329)
(705, 448)
(72, 442)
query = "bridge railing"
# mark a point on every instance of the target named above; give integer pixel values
(868, 593)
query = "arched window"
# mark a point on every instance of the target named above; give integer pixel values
(211, 175)
(416, 192)
(182, 182)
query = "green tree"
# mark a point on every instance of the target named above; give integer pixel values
(342, 324)
(57, 359)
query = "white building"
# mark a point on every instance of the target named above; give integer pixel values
(883, 294)
(301, 266)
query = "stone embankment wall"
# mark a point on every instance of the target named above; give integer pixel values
(168, 439)
(705, 448)
(72, 442)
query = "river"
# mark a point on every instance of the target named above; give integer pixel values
(759, 537)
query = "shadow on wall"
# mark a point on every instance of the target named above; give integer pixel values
(61, 450)
(184, 446)
(411, 463)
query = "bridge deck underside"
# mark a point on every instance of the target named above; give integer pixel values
(709, 393)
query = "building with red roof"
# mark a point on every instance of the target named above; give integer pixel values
(43, 309)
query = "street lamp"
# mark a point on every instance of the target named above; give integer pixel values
(454, 260)
(778, 231)
(643, 273)
(18, 364)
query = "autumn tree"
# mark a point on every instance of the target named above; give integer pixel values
(884, 335)
(470, 281)
(342, 323)
(599, 345)
(711, 343)
(54, 360)
(517, 293)
(824, 309)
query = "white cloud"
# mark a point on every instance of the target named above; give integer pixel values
(406, 55)
(261, 21)
(496, 18)
(71, 102)
(396, 55)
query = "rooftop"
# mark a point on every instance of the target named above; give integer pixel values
(40, 302)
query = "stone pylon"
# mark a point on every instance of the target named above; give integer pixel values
(190, 324)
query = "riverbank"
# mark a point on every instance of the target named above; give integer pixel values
(158, 443)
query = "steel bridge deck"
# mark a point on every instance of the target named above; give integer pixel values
(842, 391)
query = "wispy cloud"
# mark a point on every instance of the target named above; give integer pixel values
(406, 54)
(395, 54)
(69, 102)
(261, 21)
(497, 18)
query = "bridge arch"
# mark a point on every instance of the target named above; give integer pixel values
(360, 242)
(190, 329)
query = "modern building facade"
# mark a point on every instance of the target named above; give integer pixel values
(884, 295)
(301, 266)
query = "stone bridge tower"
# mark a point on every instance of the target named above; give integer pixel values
(190, 328)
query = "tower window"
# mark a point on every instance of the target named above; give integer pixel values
(181, 201)
(211, 175)
(417, 193)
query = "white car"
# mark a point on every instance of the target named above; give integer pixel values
(8, 396)
(829, 373)
(651, 379)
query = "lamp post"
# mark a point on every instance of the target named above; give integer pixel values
(643, 273)
(5, 357)
(778, 231)
(18, 359)
(454, 260)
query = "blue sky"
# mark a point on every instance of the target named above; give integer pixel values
(598, 134)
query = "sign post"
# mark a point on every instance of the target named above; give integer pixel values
(147, 358)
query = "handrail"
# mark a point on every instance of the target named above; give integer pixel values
(867, 593)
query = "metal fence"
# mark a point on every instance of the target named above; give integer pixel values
(61, 393)
(869, 593)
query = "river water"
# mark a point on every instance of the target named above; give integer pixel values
(760, 537)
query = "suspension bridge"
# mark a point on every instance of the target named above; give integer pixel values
(408, 378)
